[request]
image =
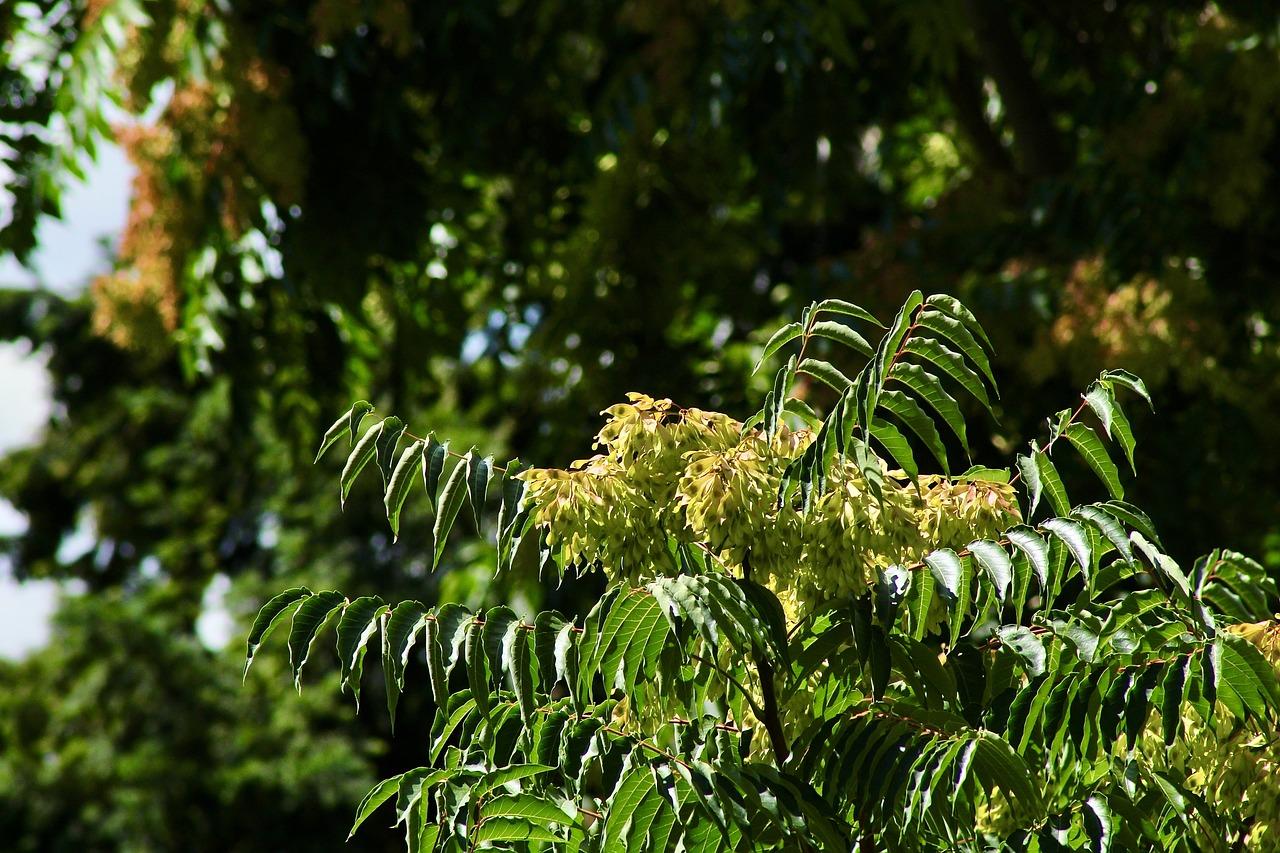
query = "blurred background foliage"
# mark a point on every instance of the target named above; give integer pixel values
(495, 219)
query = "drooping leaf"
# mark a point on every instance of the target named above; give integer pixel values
(896, 443)
(433, 458)
(385, 450)
(309, 620)
(1050, 481)
(378, 794)
(956, 309)
(402, 479)
(946, 569)
(911, 415)
(995, 563)
(363, 451)
(952, 363)
(1074, 536)
(359, 622)
(479, 471)
(1035, 548)
(925, 386)
(1173, 687)
(1098, 824)
(451, 500)
(348, 424)
(268, 616)
(1026, 645)
(399, 631)
(1108, 525)
(1130, 381)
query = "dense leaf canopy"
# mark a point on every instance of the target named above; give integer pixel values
(805, 643)
(494, 218)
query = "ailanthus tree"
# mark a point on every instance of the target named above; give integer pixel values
(809, 642)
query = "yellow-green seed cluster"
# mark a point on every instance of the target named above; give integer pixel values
(664, 471)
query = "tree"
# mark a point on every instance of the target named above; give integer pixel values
(490, 221)
(805, 641)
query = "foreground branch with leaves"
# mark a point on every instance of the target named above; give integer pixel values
(808, 642)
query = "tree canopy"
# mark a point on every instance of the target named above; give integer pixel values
(495, 217)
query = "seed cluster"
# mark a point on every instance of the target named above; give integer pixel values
(665, 471)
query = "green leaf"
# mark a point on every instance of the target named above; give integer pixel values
(996, 563)
(1076, 538)
(413, 785)
(309, 620)
(497, 624)
(1210, 672)
(402, 478)
(388, 439)
(451, 499)
(826, 373)
(1138, 702)
(926, 387)
(878, 369)
(997, 762)
(478, 473)
(631, 812)
(477, 670)
(1086, 441)
(1037, 550)
(530, 807)
(1247, 675)
(777, 398)
(951, 363)
(1135, 518)
(436, 671)
(950, 329)
(1123, 433)
(802, 410)
(1098, 824)
(270, 614)
(433, 458)
(897, 445)
(1051, 482)
(777, 341)
(513, 829)
(521, 672)
(348, 423)
(919, 602)
(364, 450)
(505, 776)
(446, 727)
(1102, 401)
(1173, 688)
(400, 629)
(843, 335)
(1026, 645)
(909, 413)
(513, 490)
(947, 570)
(358, 623)
(1130, 381)
(956, 309)
(1108, 525)
(378, 794)
(848, 309)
